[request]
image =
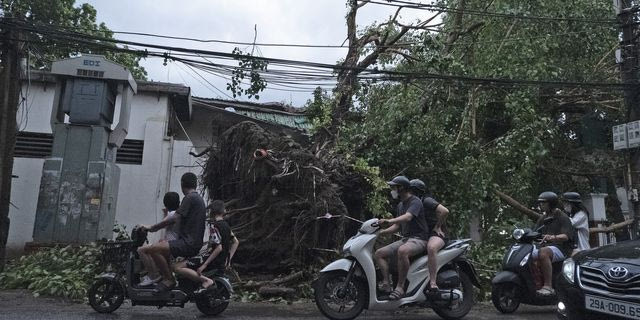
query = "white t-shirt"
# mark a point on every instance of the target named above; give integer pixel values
(171, 231)
(580, 222)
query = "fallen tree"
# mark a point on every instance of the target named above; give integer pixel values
(276, 189)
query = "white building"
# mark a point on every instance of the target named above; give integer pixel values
(154, 156)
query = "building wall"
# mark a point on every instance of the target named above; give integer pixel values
(141, 187)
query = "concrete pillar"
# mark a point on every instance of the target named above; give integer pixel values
(594, 202)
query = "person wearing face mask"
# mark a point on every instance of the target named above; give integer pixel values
(579, 219)
(410, 219)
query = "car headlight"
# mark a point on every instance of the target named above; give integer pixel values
(568, 270)
(525, 260)
(518, 233)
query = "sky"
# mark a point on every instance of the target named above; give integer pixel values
(278, 21)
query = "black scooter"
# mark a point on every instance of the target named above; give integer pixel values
(120, 281)
(515, 283)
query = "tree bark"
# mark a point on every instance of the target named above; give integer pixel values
(518, 206)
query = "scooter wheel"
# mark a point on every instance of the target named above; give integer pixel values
(106, 295)
(214, 302)
(505, 297)
(338, 300)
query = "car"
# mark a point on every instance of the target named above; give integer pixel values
(601, 283)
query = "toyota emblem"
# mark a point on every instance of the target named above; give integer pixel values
(618, 272)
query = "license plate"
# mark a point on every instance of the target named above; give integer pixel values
(614, 307)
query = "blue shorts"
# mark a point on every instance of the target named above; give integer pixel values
(557, 254)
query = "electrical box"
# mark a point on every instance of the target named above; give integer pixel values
(79, 184)
(633, 134)
(620, 140)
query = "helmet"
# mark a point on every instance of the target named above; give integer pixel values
(572, 197)
(418, 185)
(548, 196)
(400, 181)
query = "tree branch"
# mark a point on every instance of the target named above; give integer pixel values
(611, 228)
(518, 206)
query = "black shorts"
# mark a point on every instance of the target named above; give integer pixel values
(179, 248)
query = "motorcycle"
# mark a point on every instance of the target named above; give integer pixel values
(515, 284)
(347, 286)
(121, 279)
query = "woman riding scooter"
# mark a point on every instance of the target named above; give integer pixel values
(579, 219)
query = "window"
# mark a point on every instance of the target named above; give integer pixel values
(130, 152)
(33, 145)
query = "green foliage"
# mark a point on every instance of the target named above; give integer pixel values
(65, 14)
(248, 67)
(377, 200)
(121, 232)
(319, 109)
(65, 272)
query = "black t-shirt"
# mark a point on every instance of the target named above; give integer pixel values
(193, 215)
(220, 235)
(430, 204)
(561, 224)
(417, 227)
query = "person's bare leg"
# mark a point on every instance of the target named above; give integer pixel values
(381, 257)
(182, 269)
(404, 253)
(160, 254)
(434, 245)
(148, 263)
(545, 264)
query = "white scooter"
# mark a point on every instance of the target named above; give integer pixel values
(347, 286)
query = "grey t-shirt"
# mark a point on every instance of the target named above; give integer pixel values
(417, 227)
(192, 212)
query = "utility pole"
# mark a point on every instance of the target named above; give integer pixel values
(626, 12)
(10, 83)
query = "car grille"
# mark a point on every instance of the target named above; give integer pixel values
(594, 280)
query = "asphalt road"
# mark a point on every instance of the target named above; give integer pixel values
(20, 304)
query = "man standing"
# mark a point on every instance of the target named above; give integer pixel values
(192, 215)
(411, 220)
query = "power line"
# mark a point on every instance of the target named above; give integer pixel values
(364, 73)
(434, 7)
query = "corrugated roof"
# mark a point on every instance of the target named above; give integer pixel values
(253, 110)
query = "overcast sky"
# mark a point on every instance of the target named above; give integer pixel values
(278, 21)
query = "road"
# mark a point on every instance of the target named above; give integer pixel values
(20, 304)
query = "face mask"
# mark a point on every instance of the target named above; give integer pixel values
(567, 208)
(394, 194)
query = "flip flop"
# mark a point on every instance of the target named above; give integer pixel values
(545, 292)
(396, 295)
(162, 288)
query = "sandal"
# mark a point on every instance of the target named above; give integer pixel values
(545, 292)
(203, 289)
(396, 295)
(162, 288)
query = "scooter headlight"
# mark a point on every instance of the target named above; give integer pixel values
(346, 250)
(568, 270)
(518, 233)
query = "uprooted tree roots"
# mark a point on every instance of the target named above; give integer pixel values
(275, 190)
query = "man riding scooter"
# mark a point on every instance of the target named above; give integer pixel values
(410, 218)
(192, 215)
(557, 242)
